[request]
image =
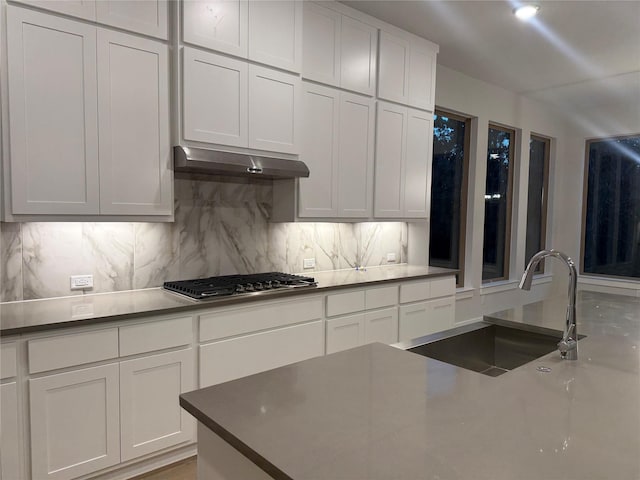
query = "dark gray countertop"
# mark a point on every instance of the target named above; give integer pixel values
(37, 315)
(379, 413)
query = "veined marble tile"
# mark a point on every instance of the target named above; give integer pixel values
(199, 248)
(10, 262)
(52, 252)
(156, 254)
(376, 239)
(108, 249)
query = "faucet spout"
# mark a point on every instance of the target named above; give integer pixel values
(568, 346)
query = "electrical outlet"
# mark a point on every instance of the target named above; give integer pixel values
(81, 282)
(309, 263)
(391, 257)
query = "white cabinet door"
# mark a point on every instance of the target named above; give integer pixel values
(75, 422)
(216, 24)
(321, 44)
(417, 182)
(422, 77)
(381, 326)
(413, 321)
(358, 56)
(275, 33)
(274, 101)
(76, 8)
(241, 356)
(151, 416)
(355, 157)
(345, 332)
(319, 150)
(442, 315)
(148, 17)
(52, 114)
(214, 98)
(133, 119)
(10, 463)
(389, 165)
(393, 79)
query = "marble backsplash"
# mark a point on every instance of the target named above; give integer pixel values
(220, 228)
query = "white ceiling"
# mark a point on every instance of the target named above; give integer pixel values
(575, 54)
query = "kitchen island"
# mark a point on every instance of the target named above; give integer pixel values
(377, 412)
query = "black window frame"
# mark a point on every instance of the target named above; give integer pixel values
(509, 204)
(545, 198)
(464, 193)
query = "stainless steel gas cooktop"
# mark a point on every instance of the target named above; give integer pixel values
(212, 287)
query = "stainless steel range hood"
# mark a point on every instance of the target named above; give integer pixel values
(211, 162)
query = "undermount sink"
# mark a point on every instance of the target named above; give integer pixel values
(487, 348)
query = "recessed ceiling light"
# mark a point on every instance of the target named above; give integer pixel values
(525, 12)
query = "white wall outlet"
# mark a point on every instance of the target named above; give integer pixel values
(81, 282)
(309, 263)
(391, 257)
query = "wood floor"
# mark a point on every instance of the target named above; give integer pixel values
(184, 470)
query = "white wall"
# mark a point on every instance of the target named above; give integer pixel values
(486, 103)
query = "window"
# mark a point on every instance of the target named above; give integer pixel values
(611, 226)
(539, 148)
(497, 204)
(449, 192)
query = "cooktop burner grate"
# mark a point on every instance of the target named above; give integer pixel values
(205, 288)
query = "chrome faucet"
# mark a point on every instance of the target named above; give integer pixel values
(568, 346)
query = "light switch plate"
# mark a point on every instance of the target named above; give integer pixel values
(391, 257)
(309, 263)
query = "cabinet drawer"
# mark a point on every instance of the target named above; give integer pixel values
(341, 303)
(8, 360)
(238, 357)
(442, 287)
(148, 337)
(381, 297)
(226, 323)
(415, 291)
(69, 350)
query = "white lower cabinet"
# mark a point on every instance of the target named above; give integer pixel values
(75, 422)
(10, 465)
(151, 416)
(241, 356)
(362, 328)
(345, 332)
(424, 318)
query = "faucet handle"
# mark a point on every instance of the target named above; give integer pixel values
(568, 348)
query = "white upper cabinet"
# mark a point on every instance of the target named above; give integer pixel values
(337, 146)
(355, 156)
(407, 71)
(403, 162)
(338, 50)
(417, 189)
(52, 114)
(321, 44)
(274, 100)
(76, 8)
(319, 150)
(358, 56)
(214, 98)
(228, 102)
(148, 17)
(133, 120)
(88, 117)
(275, 33)
(216, 24)
(265, 31)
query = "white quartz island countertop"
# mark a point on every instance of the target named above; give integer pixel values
(37, 315)
(377, 412)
